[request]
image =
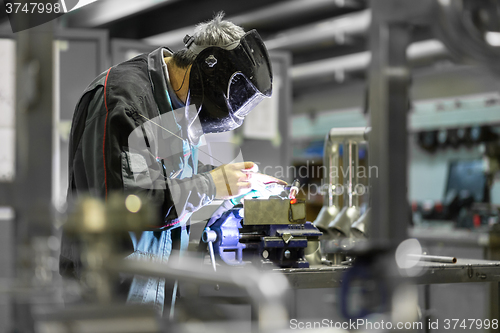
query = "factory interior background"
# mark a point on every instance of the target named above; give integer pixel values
(336, 83)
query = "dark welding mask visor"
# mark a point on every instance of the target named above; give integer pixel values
(226, 83)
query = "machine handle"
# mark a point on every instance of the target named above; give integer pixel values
(210, 236)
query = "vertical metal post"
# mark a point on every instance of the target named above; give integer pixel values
(34, 153)
(34, 130)
(388, 97)
(389, 78)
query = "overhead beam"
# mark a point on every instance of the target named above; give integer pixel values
(338, 29)
(360, 61)
(261, 18)
(108, 11)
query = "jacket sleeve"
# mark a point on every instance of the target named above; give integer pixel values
(205, 167)
(111, 163)
(138, 170)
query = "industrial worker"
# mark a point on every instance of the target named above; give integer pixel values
(137, 128)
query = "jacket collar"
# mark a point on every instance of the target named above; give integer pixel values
(157, 77)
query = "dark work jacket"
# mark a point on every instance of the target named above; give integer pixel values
(113, 110)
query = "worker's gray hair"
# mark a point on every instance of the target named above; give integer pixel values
(216, 32)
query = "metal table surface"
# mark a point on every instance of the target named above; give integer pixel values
(464, 271)
(453, 236)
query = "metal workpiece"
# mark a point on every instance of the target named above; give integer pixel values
(273, 211)
(348, 137)
(361, 227)
(326, 215)
(336, 250)
(334, 220)
(350, 212)
(312, 252)
(343, 221)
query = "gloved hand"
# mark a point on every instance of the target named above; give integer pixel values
(230, 180)
(233, 180)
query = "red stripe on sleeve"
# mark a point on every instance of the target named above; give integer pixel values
(104, 138)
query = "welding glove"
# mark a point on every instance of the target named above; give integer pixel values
(232, 180)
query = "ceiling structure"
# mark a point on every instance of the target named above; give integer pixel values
(327, 38)
(153, 18)
(311, 30)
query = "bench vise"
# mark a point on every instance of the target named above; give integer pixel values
(265, 232)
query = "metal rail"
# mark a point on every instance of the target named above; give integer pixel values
(265, 289)
(464, 271)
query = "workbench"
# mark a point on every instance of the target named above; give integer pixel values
(465, 270)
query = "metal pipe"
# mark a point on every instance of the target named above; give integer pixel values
(351, 161)
(290, 10)
(331, 157)
(348, 133)
(360, 61)
(338, 29)
(425, 257)
(456, 25)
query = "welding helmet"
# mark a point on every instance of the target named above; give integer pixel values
(227, 82)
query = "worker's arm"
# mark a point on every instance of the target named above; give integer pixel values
(144, 173)
(234, 180)
(116, 151)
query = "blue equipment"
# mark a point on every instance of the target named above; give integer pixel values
(266, 232)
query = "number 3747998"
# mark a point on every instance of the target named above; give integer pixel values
(469, 324)
(35, 7)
